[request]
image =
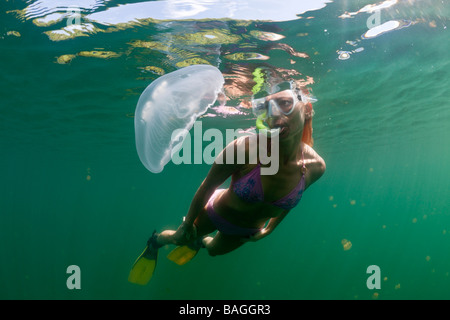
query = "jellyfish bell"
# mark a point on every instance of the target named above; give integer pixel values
(168, 108)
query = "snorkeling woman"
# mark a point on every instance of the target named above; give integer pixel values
(254, 204)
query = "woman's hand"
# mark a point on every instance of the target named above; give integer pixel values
(257, 236)
(185, 232)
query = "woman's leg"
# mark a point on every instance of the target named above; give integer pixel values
(166, 237)
(219, 244)
(222, 243)
(202, 224)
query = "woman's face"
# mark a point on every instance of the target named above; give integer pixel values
(286, 113)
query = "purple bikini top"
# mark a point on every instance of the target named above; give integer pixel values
(249, 188)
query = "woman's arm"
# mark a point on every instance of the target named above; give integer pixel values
(217, 175)
(315, 164)
(220, 171)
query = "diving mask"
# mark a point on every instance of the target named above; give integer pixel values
(282, 102)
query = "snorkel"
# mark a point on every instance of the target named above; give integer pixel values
(259, 78)
(263, 128)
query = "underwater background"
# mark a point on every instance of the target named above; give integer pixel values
(74, 192)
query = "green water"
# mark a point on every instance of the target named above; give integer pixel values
(73, 191)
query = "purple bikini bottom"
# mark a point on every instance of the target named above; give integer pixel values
(223, 225)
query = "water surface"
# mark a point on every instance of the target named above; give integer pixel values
(74, 192)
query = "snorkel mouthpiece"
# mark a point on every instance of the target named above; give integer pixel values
(265, 129)
(260, 122)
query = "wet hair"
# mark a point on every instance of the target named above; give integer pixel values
(307, 132)
(307, 127)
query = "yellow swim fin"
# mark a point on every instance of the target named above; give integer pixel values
(183, 254)
(145, 264)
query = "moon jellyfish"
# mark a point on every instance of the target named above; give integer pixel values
(168, 108)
